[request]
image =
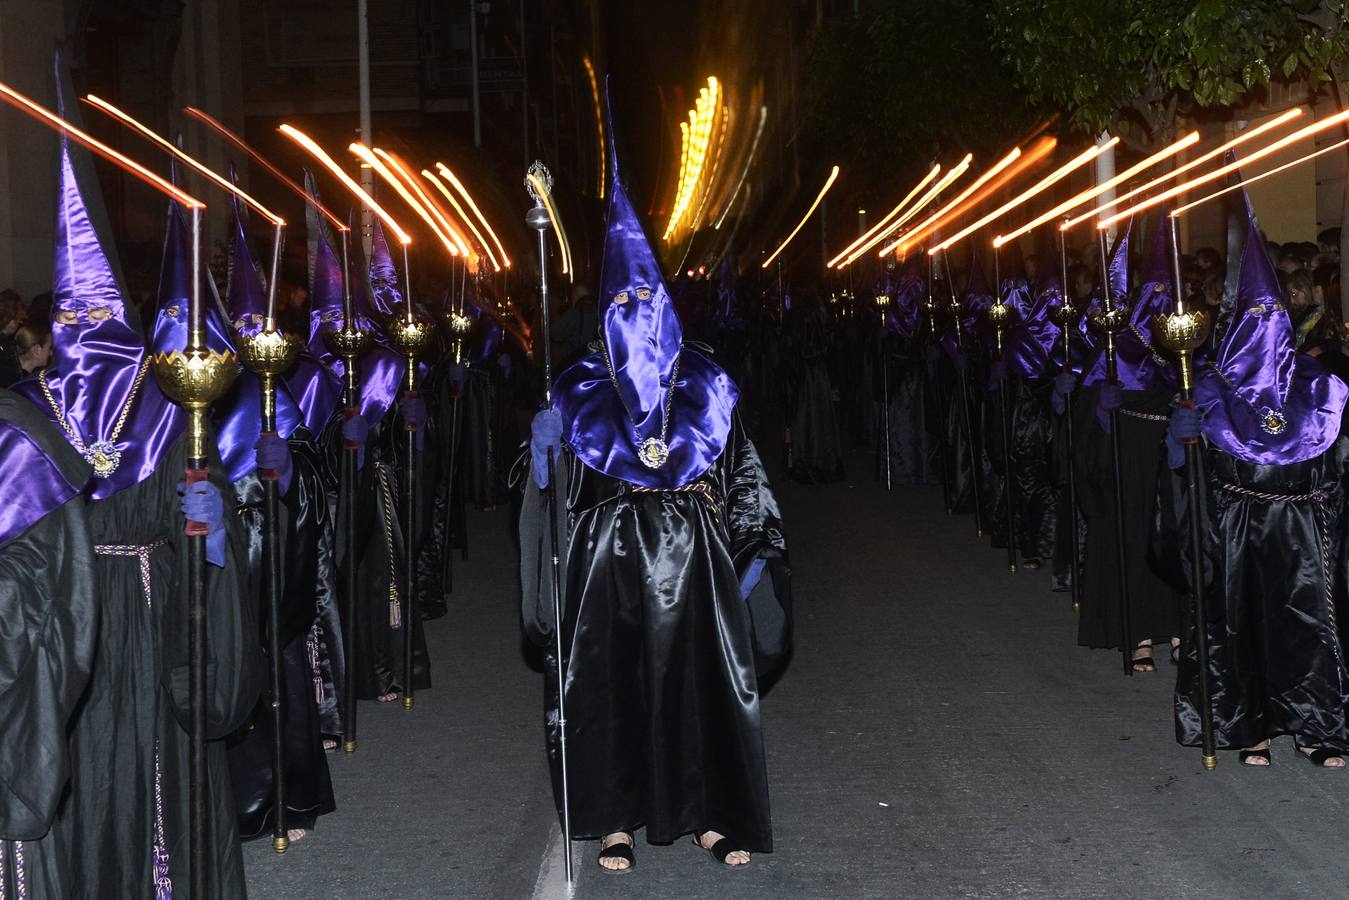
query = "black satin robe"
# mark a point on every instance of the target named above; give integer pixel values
(1034, 474)
(1154, 604)
(913, 440)
(817, 443)
(137, 700)
(50, 615)
(309, 792)
(1274, 569)
(661, 690)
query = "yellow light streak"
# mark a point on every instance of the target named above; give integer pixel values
(564, 249)
(1093, 192)
(923, 182)
(219, 181)
(696, 138)
(402, 169)
(463, 191)
(829, 182)
(599, 128)
(331, 165)
(922, 229)
(1261, 177)
(1048, 181)
(383, 171)
(52, 120)
(961, 168)
(1276, 146)
(435, 181)
(1240, 139)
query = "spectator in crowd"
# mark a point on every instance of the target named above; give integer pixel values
(11, 318)
(33, 343)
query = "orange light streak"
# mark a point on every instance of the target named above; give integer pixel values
(463, 191)
(1262, 176)
(923, 182)
(959, 204)
(961, 168)
(829, 182)
(1093, 192)
(463, 216)
(219, 181)
(52, 120)
(357, 191)
(1048, 181)
(599, 126)
(1181, 170)
(400, 181)
(1308, 131)
(214, 125)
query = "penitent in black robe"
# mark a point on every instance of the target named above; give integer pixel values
(1275, 576)
(662, 652)
(1154, 605)
(129, 743)
(309, 791)
(49, 611)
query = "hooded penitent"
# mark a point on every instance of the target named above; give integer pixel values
(380, 369)
(1141, 365)
(99, 387)
(975, 299)
(237, 416)
(907, 291)
(1117, 277)
(1030, 343)
(1262, 401)
(383, 274)
(644, 409)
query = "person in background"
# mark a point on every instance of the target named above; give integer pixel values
(11, 318)
(33, 346)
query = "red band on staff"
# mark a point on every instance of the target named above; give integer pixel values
(193, 527)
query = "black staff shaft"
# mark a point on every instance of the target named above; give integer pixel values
(1004, 394)
(1075, 579)
(1116, 465)
(271, 562)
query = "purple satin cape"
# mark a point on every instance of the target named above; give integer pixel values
(596, 427)
(905, 314)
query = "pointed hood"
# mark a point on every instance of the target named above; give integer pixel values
(175, 291)
(1030, 343)
(384, 281)
(1137, 366)
(645, 367)
(974, 299)
(326, 286)
(246, 291)
(907, 291)
(1262, 402)
(96, 379)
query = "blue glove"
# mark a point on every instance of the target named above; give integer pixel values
(1185, 426)
(751, 579)
(458, 374)
(962, 362)
(1063, 387)
(354, 432)
(997, 373)
(202, 503)
(1108, 400)
(546, 434)
(274, 456)
(413, 408)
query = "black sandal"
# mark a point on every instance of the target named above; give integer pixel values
(1175, 654)
(721, 849)
(1246, 755)
(1319, 758)
(617, 850)
(1144, 664)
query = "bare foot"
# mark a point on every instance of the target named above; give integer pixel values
(388, 698)
(1257, 756)
(1322, 758)
(1142, 659)
(613, 863)
(329, 745)
(708, 839)
(295, 834)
